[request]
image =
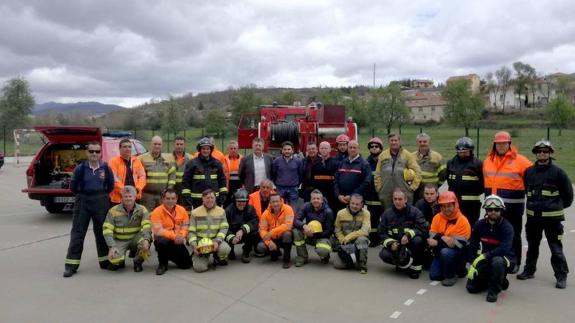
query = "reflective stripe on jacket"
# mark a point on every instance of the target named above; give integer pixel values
(168, 224)
(432, 166)
(549, 191)
(119, 225)
(350, 227)
(389, 172)
(118, 166)
(160, 172)
(276, 224)
(503, 175)
(205, 223)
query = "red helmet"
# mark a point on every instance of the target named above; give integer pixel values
(342, 138)
(375, 140)
(447, 197)
(502, 136)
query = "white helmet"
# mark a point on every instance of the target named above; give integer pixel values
(493, 202)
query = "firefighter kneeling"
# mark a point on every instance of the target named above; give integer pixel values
(243, 224)
(490, 251)
(352, 227)
(208, 229)
(314, 226)
(127, 227)
(403, 230)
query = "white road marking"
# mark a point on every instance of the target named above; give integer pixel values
(408, 302)
(434, 283)
(572, 231)
(421, 291)
(395, 315)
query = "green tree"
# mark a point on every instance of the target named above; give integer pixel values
(356, 107)
(462, 107)
(244, 101)
(16, 104)
(287, 97)
(215, 123)
(330, 96)
(387, 107)
(560, 112)
(173, 120)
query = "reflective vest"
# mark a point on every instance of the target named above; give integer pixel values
(160, 172)
(503, 175)
(389, 172)
(118, 166)
(232, 169)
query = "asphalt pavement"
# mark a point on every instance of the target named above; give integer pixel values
(33, 246)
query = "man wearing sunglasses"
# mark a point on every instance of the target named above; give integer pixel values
(490, 251)
(549, 192)
(92, 181)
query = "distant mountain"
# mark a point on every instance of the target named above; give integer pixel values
(83, 108)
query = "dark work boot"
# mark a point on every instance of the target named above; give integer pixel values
(491, 297)
(138, 266)
(161, 270)
(68, 272)
(525, 275)
(561, 283)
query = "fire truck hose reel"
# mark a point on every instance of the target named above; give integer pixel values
(285, 131)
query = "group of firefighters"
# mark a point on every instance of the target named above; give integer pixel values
(195, 208)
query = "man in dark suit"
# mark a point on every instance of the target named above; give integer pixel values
(255, 167)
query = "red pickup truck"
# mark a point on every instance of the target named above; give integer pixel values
(49, 174)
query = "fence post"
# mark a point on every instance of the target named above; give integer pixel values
(477, 150)
(168, 141)
(420, 130)
(4, 140)
(372, 132)
(548, 132)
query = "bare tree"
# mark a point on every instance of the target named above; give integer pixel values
(503, 76)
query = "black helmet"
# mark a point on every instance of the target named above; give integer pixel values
(404, 259)
(464, 143)
(241, 195)
(543, 143)
(205, 141)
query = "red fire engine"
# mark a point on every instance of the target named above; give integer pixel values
(299, 124)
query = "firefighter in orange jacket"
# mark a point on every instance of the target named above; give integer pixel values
(448, 236)
(275, 229)
(231, 170)
(503, 176)
(170, 224)
(128, 170)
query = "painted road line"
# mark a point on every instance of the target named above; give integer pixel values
(421, 291)
(434, 283)
(395, 315)
(572, 231)
(408, 302)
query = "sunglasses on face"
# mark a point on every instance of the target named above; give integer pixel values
(543, 151)
(373, 146)
(94, 151)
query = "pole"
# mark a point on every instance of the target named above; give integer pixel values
(548, 132)
(477, 141)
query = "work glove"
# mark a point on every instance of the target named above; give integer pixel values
(472, 273)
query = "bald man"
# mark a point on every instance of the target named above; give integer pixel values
(160, 173)
(353, 175)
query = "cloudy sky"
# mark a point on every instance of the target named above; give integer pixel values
(129, 51)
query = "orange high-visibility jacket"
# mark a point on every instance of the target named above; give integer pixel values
(255, 201)
(503, 175)
(119, 169)
(456, 226)
(276, 224)
(232, 169)
(167, 224)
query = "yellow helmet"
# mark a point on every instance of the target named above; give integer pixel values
(408, 175)
(315, 226)
(205, 246)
